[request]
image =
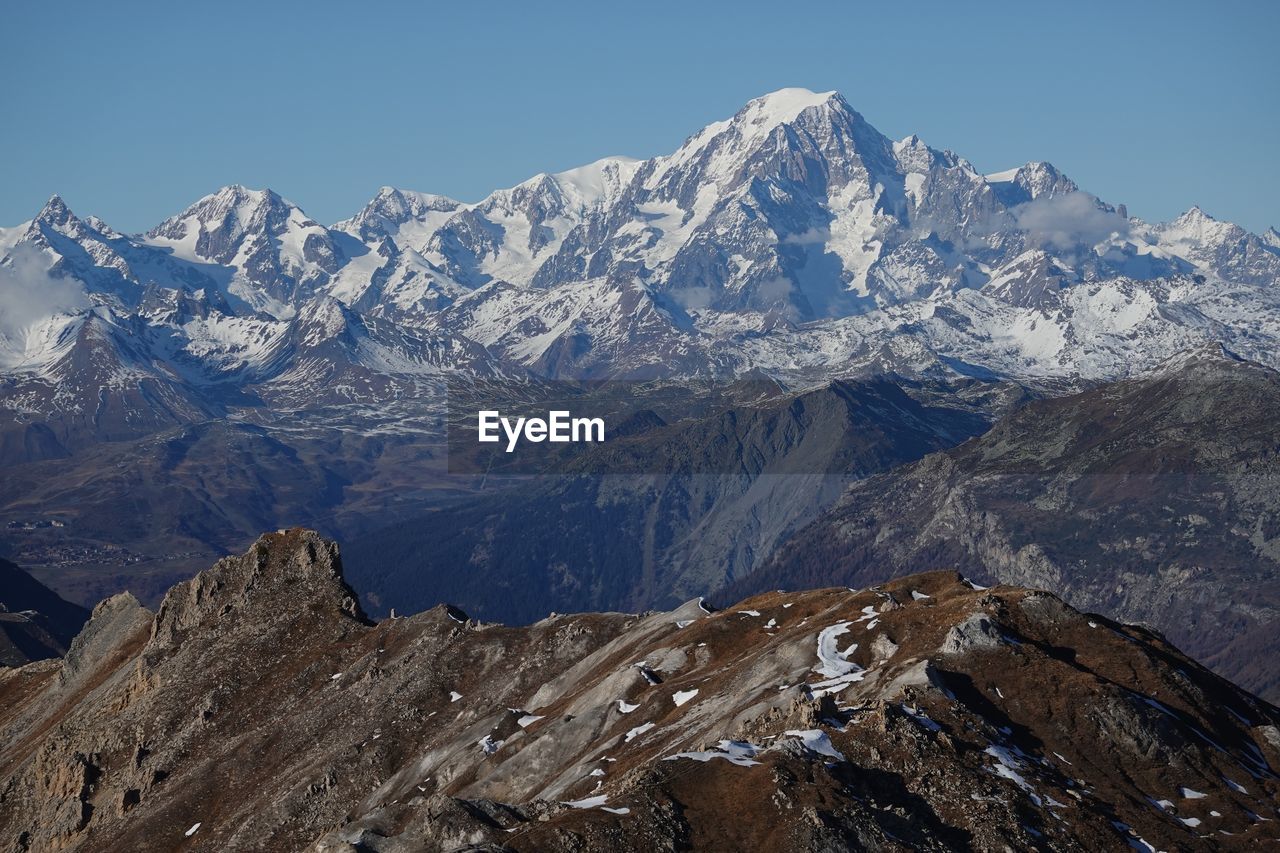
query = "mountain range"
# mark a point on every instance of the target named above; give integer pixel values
(165, 396)
(793, 238)
(258, 708)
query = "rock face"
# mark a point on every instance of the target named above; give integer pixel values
(35, 623)
(1154, 500)
(259, 710)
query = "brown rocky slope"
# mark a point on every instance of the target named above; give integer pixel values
(258, 709)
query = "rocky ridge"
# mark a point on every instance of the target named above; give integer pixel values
(259, 709)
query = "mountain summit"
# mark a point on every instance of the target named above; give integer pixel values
(792, 237)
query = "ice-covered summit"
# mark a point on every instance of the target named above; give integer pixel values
(791, 237)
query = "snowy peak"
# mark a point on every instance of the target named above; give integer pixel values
(398, 205)
(55, 212)
(391, 209)
(1196, 224)
(725, 152)
(277, 253)
(1219, 248)
(596, 182)
(1197, 227)
(56, 218)
(325, 318)
(1033, 181)
(219, 221)
(784, 107)
(792, 211)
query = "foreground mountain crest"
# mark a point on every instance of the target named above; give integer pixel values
(258, 710)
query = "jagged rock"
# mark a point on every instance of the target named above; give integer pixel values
(246, 706)
(977, 631)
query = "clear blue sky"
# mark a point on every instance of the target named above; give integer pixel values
(133, 110)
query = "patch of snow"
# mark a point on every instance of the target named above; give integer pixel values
(637, 731)
(921, 718)
(831, 661)
(840, 672)
(589, 803)
(1235, 786)
(816, 740)
(454, 696)
(1135, 841)
(736, 752)
(626, 707)
(917, 595)
(527, 720)
(682, 696)
(1008, 766)
(195, 827)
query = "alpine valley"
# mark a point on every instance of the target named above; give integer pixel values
(166, 396)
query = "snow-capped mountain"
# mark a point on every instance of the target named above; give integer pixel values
(792, 238)
(278, 255)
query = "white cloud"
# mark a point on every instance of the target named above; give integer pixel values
(1066, 221)
(810, 237)
(29, 294)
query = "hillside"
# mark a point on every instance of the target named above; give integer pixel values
(259, 709)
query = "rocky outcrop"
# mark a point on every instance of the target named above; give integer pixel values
(259, 710)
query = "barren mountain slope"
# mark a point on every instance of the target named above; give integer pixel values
(258, 709)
